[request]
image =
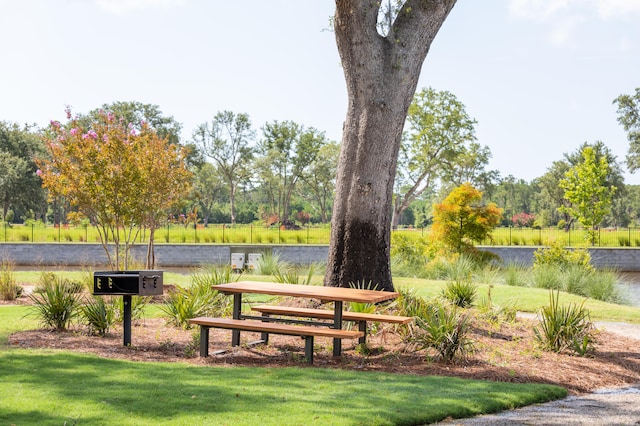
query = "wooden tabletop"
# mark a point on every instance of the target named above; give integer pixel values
(311, 291)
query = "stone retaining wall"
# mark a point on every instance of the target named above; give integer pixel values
(193, 255)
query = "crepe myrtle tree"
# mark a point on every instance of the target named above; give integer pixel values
(382, 46)
(121, 175)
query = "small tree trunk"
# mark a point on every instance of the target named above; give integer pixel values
(151, 254)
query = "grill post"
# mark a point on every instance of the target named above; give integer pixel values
(126, 320)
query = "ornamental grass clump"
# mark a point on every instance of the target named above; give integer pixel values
(565, 327)
(57, 301)
(460, 293)
(99, 315)
(9, 289)
(269, 263)
(199, 299)
(444, 329)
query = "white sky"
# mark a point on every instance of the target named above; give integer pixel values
(538, 75)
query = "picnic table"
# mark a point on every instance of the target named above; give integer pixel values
(336, 295)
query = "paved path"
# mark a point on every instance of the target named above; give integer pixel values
(605, 407)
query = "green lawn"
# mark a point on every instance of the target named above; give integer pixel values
(53, 387)
(527, 299)
(58, 387)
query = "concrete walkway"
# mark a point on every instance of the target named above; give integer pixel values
(604, 407)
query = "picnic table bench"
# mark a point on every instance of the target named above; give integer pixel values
(242, 322)
(360, 317)
(306, 332)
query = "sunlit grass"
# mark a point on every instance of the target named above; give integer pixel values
(54, 387)
(316, 234)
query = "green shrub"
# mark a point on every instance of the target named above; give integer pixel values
(442, 328)
(547, 276)
(557, 255)
(367, 308)
(459, 269)
(603, 285)
(287, 276)
(209, 275)
(138, 304)
(57, 302)
(199, 299)
(624, 241)
(576, 280)
(566, 327)
(409, 304)
(460, 293)
(9, 289)
(182, 304)
(98, 315)
(269, 264)
(515, 275)
(409, 251)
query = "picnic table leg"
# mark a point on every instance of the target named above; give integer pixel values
(308, 348)
(204, 341)
(337, 324)
(362, 326)
(265, 336)
(237, 309)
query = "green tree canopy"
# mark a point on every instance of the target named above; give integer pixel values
(137, 114)
(227, 141)
(585, 186)
(629, 117)
(438, 135)
(287, 149)
(20, 188)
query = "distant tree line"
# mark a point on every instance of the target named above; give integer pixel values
(284, 172)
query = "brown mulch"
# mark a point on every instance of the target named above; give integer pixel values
(503, 352)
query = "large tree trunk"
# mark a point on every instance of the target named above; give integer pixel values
(381, 75)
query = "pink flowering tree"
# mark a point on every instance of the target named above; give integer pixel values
(523, 220)
(122, 176)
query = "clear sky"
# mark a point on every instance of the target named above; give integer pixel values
(539, 76)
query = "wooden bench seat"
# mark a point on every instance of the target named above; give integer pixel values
(307, 332)
(359, 317)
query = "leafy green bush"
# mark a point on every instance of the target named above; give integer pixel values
(183, 304)
(624, 241)
(57, 302)
(408, 304)
(409, 252)
(442, 328)
(565, 327)
(575, 279)
(99, 315)
(458, 269)
(562, 258)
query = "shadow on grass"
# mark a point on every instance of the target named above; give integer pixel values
(52, 387)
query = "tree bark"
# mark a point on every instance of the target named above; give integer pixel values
(381, 75)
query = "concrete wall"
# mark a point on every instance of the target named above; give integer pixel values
(193, 255)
